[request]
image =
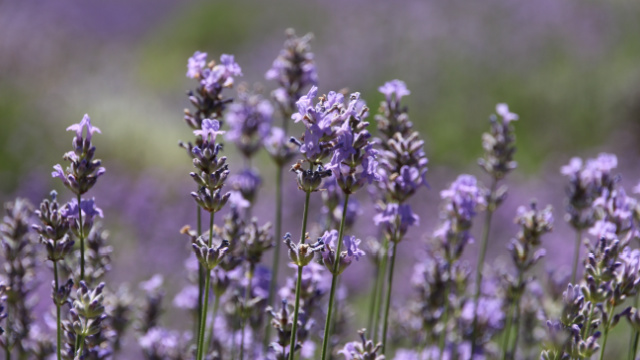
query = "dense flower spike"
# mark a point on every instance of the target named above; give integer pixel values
(249, 120)
(499, 144)
(207, 98)
(294, 70)
(17, 273)
(83, 171)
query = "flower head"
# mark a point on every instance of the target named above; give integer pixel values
(210, 129)
(84, 123)
(397, 87)
(196, 64)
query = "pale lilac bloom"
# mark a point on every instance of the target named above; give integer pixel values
(502, 109)
(573, 168)
(222, 75)
(304, 104)
(187, 298)
(153, 284)
(489, 314)
(210, 129)
(84, 123)
(237, 200)
(464, 197)
(600, 167)
(87, 206)
(404, 354)
(196, 63)
(604, 229)
(397, 215)
(308, 349)
(353, 252)
(397, 87)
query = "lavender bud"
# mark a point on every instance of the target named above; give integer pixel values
(61, 295)
(210, 257)
(302, 254)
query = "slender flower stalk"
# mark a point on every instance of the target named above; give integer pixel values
(334, 279)
(380, 286)
(385, 323)
(296, 308)
(205, 304)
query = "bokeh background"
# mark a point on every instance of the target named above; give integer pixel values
(570, 69)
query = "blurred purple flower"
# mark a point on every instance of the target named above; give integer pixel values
(397, 87)
(463, 197)
(502, 109)
(84, 123)
(210, 129)
(196, 64)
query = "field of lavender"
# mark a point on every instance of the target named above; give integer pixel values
(296, 222)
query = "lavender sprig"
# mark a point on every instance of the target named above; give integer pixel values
(19, 273)
(499, 149)
(82, 173)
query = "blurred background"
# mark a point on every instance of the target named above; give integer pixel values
(570, 69)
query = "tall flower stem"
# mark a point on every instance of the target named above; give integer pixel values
(207, 283)
(7, 345)
(80, 348)
(372, 304)
(58, 322)
(81, 232)
(294, 328)
(576, 257)
(483, 252)
(276, 255)
(606, 334)
(635, 335)
(445, 315)
(507, 332)
(334, 280)
(385, 324)
(214, 313)
(381, 273)
(245, 315)
(200, 272)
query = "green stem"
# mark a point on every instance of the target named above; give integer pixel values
(507, 332)
(372, 303)
(445, 315)
(587, 327)
(81, 232)
(336, 263)
(576, 257)
(213, 321)
(207, 284)
(634, 349)
(483, 252)
(200, 274)
(276, 255)
(380, 294)
(58, 321)
(633, 341)
(294, 329)
(245, 314)
(7, 345)
(517, 329)
(292, 341)
(80, 347)
(385, 324)
(604, 342)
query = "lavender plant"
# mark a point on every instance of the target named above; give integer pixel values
(447, 316)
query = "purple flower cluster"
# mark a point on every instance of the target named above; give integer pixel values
(84, 170)
(249, 120)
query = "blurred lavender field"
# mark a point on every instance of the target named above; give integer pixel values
(570, 69)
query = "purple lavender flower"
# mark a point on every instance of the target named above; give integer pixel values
(396, 219)
(397, 87)
(221, 75)
(84, 170)
(247, 183)
(187, 298)
(502, 109)
(210, 129)
(346, 257)
(278, 146)
(294, 69)
(603, 229)
(84, 123)
(196, 64)
(249, 121)
(463, 197)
